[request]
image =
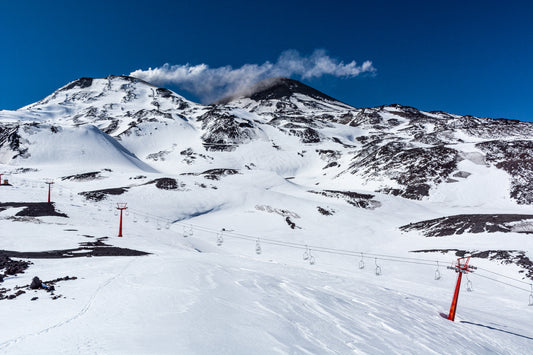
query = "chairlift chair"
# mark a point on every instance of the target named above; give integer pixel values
(468, 284)
(312, 260)
(305, 255)
(220, 239)
(187, 231)
(437, 272)
(378, 268)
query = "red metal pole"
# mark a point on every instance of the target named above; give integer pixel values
(120, 225)
(453, 308)
(121, 207)
(49, 187)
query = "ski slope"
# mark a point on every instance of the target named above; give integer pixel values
(192, 296)
(267, 223)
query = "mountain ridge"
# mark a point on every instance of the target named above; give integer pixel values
(399, 150)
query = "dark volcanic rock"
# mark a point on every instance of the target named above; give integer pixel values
(278, 88)
(165, 183)
(353, 198)
(472, 223)
(12, 267)
(10, 137)
(93, 175)
(74, 253)
(80, 83)
(33, 209)
(215, 174)
(99, 195)
(414, 168)
(307, 135)
(224, 131)
(324, 211)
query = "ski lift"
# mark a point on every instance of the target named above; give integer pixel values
(306, 253)
(378, 268)
(312, 259)
(158, 226)
(187, 231)
(134, 218)
(437, 272)
(257, 247)
(220, 238)
(127, 213)
(115, 213)
(468, 284)
(361, 262)
(71, 196)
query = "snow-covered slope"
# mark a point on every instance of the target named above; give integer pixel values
(86, 146)
(266, 217)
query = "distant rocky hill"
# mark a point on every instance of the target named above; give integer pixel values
(391, 149)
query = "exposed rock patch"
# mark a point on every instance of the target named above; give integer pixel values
(93, 175)
(166, 184)
(33, 209)
(516, 158)
(472, 223)
(99, 195)
(215, 174)
(353, 198)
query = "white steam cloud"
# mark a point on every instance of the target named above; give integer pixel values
(210, 84)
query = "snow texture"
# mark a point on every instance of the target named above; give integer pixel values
(277, 221)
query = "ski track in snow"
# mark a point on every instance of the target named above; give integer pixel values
(7, 344)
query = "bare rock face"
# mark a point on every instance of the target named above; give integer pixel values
(224, 131)
(516, 158)
(472, 223)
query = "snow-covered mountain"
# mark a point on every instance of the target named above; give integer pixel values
(391, 149)
(281, 167)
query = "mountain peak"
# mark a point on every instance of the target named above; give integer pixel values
(275, 89)
(86, 82)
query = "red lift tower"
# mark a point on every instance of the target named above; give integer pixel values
(461, 267)
(121, 207)
(49, 182)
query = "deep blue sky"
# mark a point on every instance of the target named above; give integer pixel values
(464, 57)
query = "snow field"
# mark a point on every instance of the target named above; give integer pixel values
(192, 296)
